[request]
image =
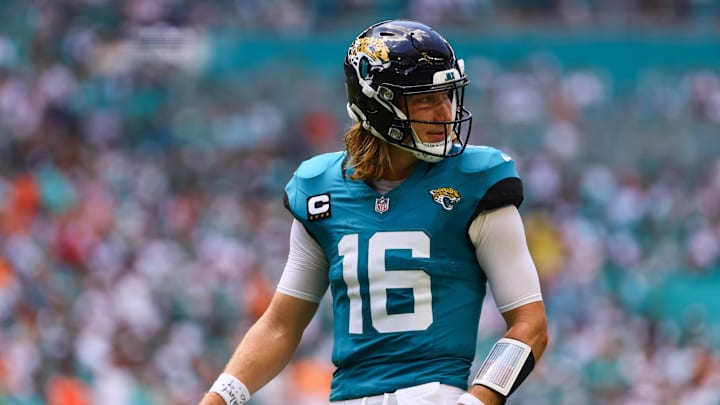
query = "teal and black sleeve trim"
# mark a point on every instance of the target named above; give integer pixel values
(508, 191)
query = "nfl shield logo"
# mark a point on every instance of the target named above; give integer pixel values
(382, 204)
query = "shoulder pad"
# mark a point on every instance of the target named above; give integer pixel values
(317, 165)
(312, 177)
(479, 158)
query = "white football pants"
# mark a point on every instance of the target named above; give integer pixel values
(426, 394)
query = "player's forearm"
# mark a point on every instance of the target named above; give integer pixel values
(268, 345)
(529, 325)
(260, 356)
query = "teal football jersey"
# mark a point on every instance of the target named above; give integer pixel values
(407, 290)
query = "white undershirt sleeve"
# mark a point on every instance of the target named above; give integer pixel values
(306, 271)
(501, 250)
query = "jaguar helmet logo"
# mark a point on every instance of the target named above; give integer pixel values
(447, 197)
(368, 54)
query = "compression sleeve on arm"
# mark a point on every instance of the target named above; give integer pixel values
(501, 250)
(306, 272)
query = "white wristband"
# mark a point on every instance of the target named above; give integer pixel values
(469, 399)
(232, 390)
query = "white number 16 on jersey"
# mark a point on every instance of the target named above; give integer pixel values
(380, 279)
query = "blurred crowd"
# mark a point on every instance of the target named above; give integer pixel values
(142, 228)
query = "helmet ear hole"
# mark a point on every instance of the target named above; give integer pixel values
(396, 134)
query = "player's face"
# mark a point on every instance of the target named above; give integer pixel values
(430, 107)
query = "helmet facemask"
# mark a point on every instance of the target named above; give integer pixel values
(457, 128)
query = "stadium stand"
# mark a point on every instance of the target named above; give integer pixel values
(144, 146)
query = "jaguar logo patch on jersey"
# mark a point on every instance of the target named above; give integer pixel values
(447, 197)
(318, 207)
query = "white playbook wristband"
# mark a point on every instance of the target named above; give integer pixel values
(469, 399)
(232, 390)
(503, 365)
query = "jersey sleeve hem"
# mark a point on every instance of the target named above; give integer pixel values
(522, 301)
(299, 294)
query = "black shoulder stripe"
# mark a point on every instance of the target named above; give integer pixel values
(505, 192)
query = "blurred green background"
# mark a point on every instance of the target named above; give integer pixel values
(144, 146)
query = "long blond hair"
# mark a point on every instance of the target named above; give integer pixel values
(367, 154)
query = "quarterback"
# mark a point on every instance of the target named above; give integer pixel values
(407, 226)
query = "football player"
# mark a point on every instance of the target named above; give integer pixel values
(406, 226)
